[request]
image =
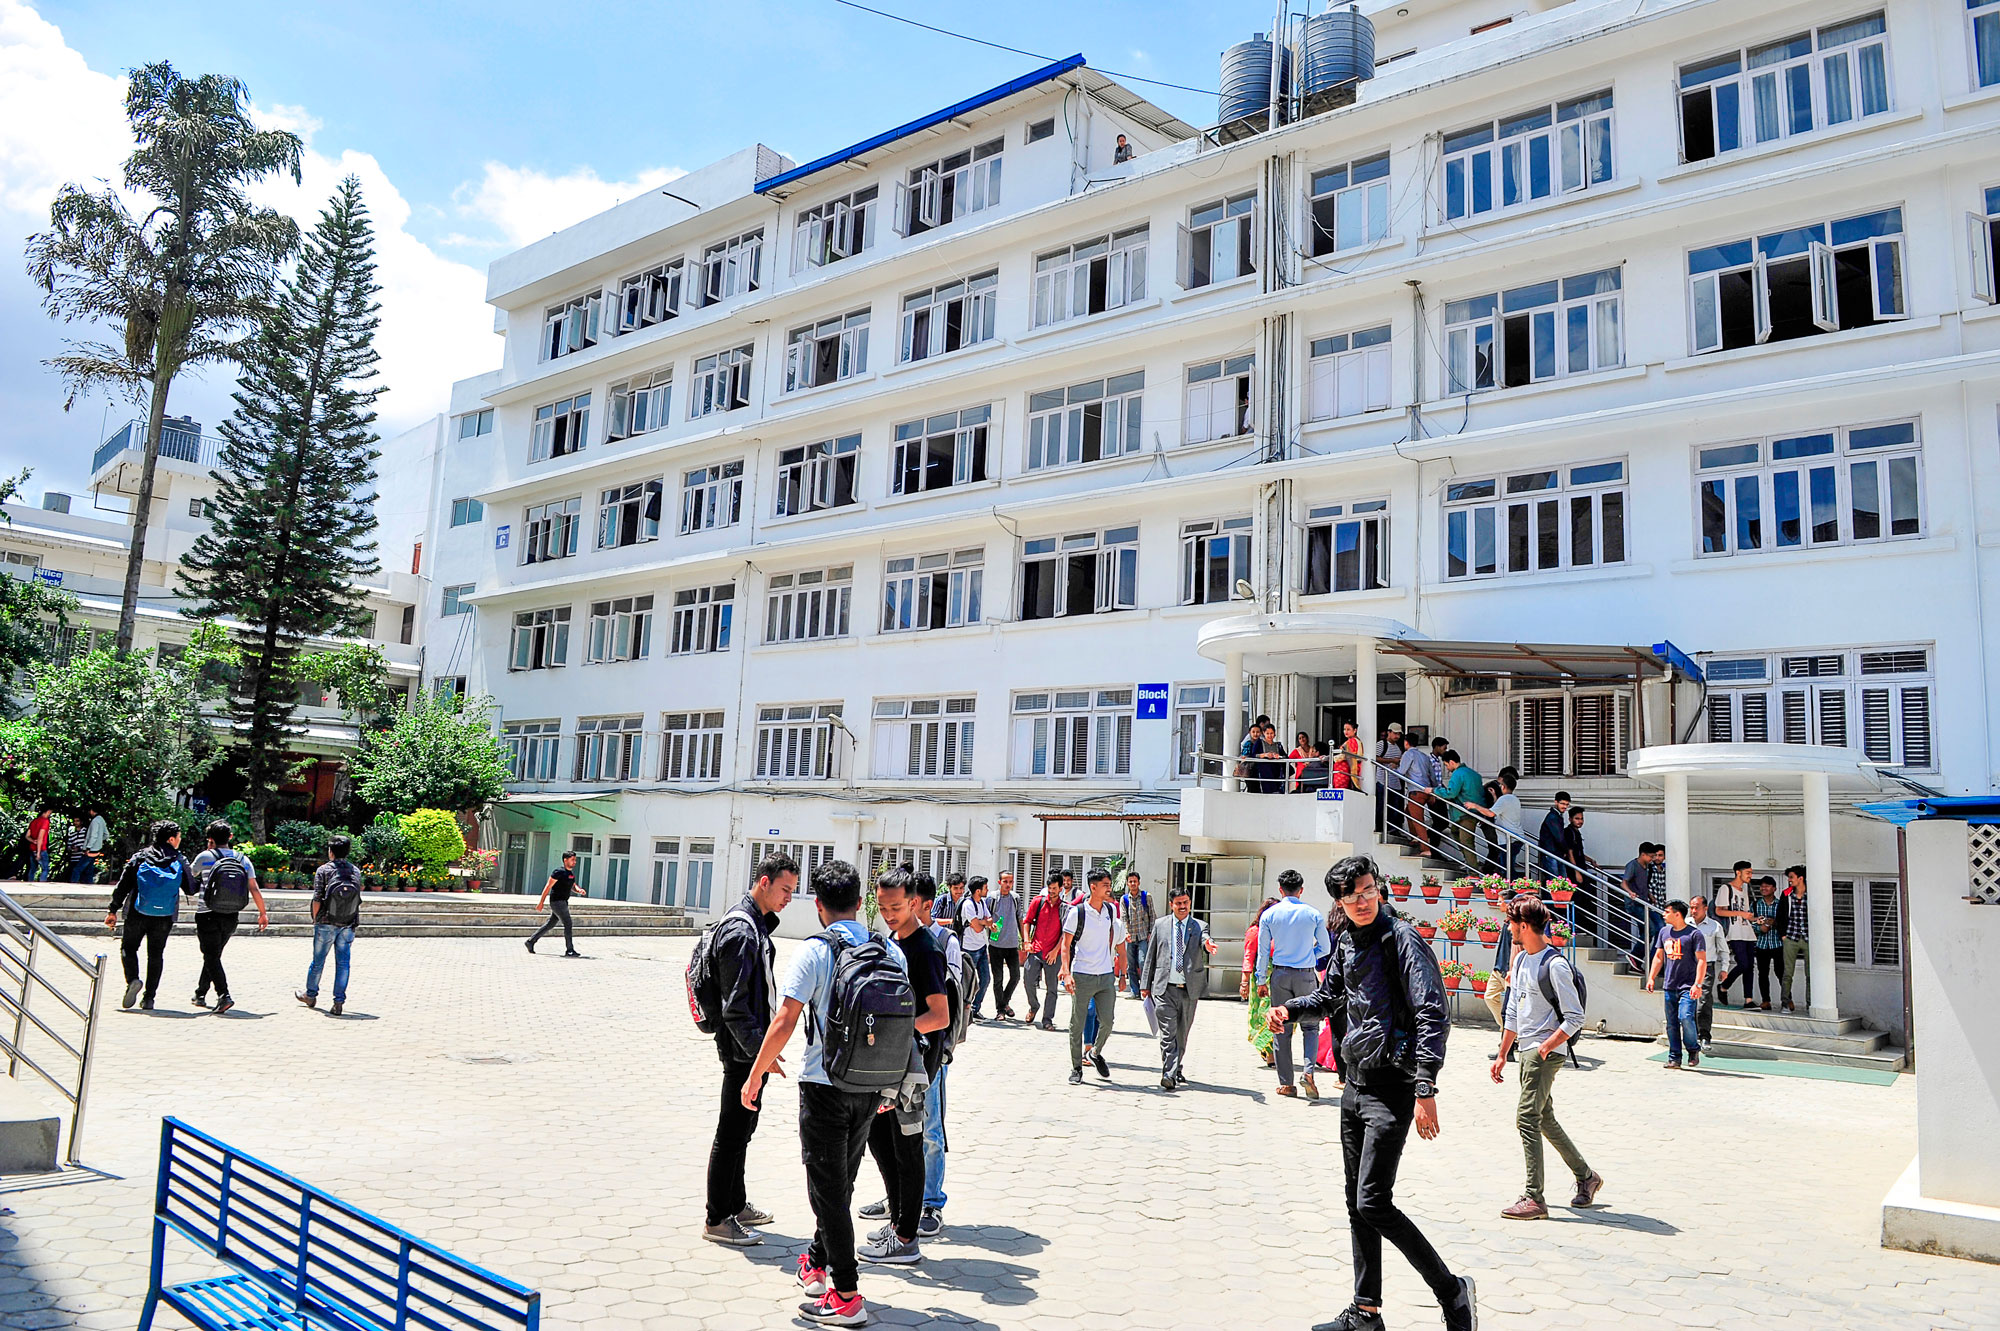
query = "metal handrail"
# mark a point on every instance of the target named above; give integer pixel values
(23, 939)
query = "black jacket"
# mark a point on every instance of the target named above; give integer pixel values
(743, 955)
(128, 877)
(1378, 1022)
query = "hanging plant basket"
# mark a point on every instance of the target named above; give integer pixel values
(1455, 935)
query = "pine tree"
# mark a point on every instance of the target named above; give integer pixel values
(292, 536)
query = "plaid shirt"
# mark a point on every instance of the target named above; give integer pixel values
(1795, 915)
(1770, 939)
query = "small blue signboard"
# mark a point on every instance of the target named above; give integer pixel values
(1331, 794)
(501, 534)
(52, 576)
(1152, 702)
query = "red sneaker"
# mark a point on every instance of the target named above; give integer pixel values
(834, 1310)
(812, 1279)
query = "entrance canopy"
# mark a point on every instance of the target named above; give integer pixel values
(602, 805)
(1545, 662)
(1299, 643)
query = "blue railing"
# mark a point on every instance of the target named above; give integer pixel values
(178, 439)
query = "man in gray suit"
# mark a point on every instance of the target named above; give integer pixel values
(1176, 977)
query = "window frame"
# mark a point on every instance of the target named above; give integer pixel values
(547, 639)
(639, 405)
(1462, 499)
(572, 326)
(806, 351)
(651, 297)
(1714, 86)
(939, 590)
(452, 600)
(1983, 229)
(1044, 740)
(796, 742)
(731, 267)
(609, 748)
(1707, 266)
(629, 514)
(1542, 317)
(693, 744)
(1203, 240)
(1880, 699)
(1203, 398)
(620, 629)
(1722, 478)
(1328, 201)
(936, 742)
(1578, 132)
(950, 189)
(1369, 519)
(809, 605)
(969, 432)
(466, 512)
(536, 742)
(1066, 425)
(1113, 580)
(812, 478)
(721, 381)
(1982, 35)
(702, 618)
(560, 428)
(1106, 271)
(711, 497)
(929, 319)
(835, 229)
(1348, 376)
(1881, 925)
(549, 530)
(1198, 558)
(474, 424)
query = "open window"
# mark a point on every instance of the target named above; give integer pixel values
(813, 477)
(1784, 88)
(712, 497)
(941, 451)
(941, 192)
(1534, 333)
(1347, 547)
(651, 297)
(1217, 400)
(1803, 282)
(638, 405)
(1215, 556)
(837, 229)
(1218, 244)
(629, 515)
(731, 268)
(621, 629)
(560, 428)
(572, 326)
(950, 317)
(1085, 422)
(702, 618)
(1090, 277)
(1086, 573)
(721, 382)
(827, 352)
(936, 591)
(1982, 233)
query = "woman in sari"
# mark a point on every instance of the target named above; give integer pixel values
(1261, 1038)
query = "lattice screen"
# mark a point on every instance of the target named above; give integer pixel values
(1983, 864)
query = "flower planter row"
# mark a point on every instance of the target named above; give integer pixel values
(300, 880)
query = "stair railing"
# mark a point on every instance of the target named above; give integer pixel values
(32, 960)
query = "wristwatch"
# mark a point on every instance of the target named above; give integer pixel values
(1426, 1090)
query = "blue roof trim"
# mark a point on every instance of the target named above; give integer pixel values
(1679, 660)
(1951, 808)
(991, 95)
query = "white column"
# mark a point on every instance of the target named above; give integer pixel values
(1679, 868)
(1232, 716)
(1819, 893)
(1364, 705)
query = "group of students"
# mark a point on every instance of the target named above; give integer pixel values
(84, 842)
(222, 883)
(1312, 764)
(1752, 927)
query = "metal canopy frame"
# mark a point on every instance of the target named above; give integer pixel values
(1543, 662)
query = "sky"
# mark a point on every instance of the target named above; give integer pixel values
(475, 128)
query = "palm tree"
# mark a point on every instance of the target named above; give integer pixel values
(186, 279)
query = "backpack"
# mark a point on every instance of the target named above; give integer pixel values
(704, 987)
(1077, 913)
(870, 1023)
(962, 982)
(226, 889)
(1548, 985)
(342, 907)
(157, 887)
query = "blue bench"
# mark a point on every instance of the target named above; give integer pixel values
(305, 1259)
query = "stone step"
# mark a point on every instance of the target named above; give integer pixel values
(1790, 1022)
(1859, 1042)
(1888, 1059)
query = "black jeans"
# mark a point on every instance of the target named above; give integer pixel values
(212, 930)
(1742, 961)
(1006, 974)
(153, 930)
(833, 1136)
(1770, 972)
(1374, 1123)
(558, 914)
(734, 1127)
(900, 1157)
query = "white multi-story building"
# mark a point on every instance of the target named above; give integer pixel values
(854, 505)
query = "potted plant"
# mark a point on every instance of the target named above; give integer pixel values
(1561, 890)
(1426, 930)
(1455, 922)
(1491, 885)
(1463, 888)
(1432, 886)
(1453, 972)
(1559, 933)
(1479, 982)
(1399, 887)
(1489, 931)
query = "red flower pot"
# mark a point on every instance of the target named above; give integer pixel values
(1455, 935)
(1493, 895)
(1400, 891)
(1479, 987)
(1489, 936)
(1431, 891)
(1561, 895)
(1461, 891)
(1451, 982)
(1427, 932)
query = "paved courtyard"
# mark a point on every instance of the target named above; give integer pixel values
(551, 1119)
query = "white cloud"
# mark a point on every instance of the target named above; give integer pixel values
(59, 119)
(522, 204)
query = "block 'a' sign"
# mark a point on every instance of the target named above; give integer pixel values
(1150, 702)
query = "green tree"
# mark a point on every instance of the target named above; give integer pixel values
(358, 672)
(183, 281)
(292, 536)
(441, 754)
(31, 615)
(435, 839)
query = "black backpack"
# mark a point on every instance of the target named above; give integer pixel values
(704, 987)
(226, 889)
(962, 982)
(869, 1027)
(342, 907)
(1548, 984)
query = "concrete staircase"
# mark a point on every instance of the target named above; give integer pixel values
(1844, 1042)
(69, 910)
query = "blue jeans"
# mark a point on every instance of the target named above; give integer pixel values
(1135, 961)
(1090, 1024)
(1681, 1031)
(934, 1140)
(83, 869)
(340, 938)
(38, 872)
(984, 965)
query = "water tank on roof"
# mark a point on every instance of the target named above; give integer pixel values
(1246, 79)
(1338, 47)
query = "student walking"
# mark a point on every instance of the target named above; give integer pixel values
(842, 979)
(896, 1138)
(1385, 998)
(1137, 908)
(95, 837)
(1768, 920)
(149, 891)
(1093, 957)
(39, 831)
(1718, 949)
(941, 1047)
(1551, 838)
(975, 924)
(556, 893)
(1462, 789)
(1176, 979)
(1739, 926)
(226, 882)
(741, 955)
(1792, 924)
(1291, 940)
(1044, 944)
(1681, 953)
(1003, 948)
(1544, 1014)
(336, 914)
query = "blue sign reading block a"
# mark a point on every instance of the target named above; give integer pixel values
(1152, 702)
(1332, 794)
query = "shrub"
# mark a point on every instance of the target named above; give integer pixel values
(434, 838)
(268, 858)
(305, 840)
(384, 844)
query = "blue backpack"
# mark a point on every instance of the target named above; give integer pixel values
(158, 890)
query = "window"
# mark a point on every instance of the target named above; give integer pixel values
(1198, 729)
(800, 742)
(1085, 422)
(651, 297)
(475, 423)
(711, 497)
(466, 511)
(827, 352)
(560, 428)
(531, 749)
(813, 477)
(1090, 277)
(1983, 231)
(1073, 733)
(551, 530)
(691, 746)
(1347, 547)
(200, 509)
(1215, 556)
(731, 267)
(571, 327)
(923, 736)
(933, 591)
(620, 629)
(1348, 374)
(837, 229)
(1984, 16)
(1579, 733)
(1350, 205)
(721, 383)
(1792, 86)
(1834, 487)
(940, 862)
(701, 619)
(1083, 574)
(950, 317)
(455, 600)
(541, 640)
(1875, 699)
(1810, 280)
(408, 632)
(629, 515)
(1867, 922)
(940, 451)
(1560, 518)
(584, 847)
(1535, 333)
(803, 607)
(20, 559)
(617, 868)
(609, 748)
(945, 190)
(449, 686)
(1218, 400)
(683, 880)
(1041, 129)
(1551, 150)
(1215, 245)
(639, 405)
(808, 855)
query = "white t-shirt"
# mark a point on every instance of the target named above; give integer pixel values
(1103, 930)
(1731, 897)
(977, 917)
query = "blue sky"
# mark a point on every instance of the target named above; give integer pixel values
(476, 127)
